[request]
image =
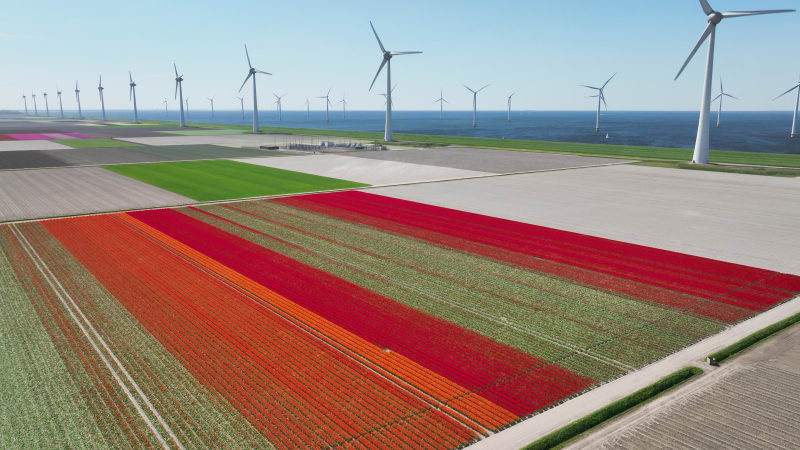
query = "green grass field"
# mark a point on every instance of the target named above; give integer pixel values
(94, 143)
(224, 179)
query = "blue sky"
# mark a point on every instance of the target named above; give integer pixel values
(542, 49)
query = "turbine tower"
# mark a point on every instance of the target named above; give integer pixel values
(327, 98)
(252, 73)
(509, 105)
(601, 98)
(187, 106)
(35, 109)
(308, 109)
(475, 104)
(279, 105)
(166, 111)
(211, 99)
(714, 18)
(102, 100)
(25, 99)
(721, 95)
(387, 61)
(60, 104)
(343, 101)
(78, 99)
(46, 106)
(241, 101)
(132, 95)
(179, 89)
(441, 101)
(796, 107)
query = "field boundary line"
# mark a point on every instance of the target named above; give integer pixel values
(48, 274)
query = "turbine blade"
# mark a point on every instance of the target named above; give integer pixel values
(130, 94)
(468, 88)
(248, 56)
(790, 90)
(733, 14)
(731, 96)
(249, 74)
(261, 71)
(176, 89)
(716, 98)
(176, 70)
(130, 76)
(590, 87)
(404, 53)
(609, 80)
(702, 39)
(482, 88)
(376, 37)
(445, 101)
(383, 63)
(707, 9)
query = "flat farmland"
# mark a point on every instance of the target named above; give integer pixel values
(339, 319)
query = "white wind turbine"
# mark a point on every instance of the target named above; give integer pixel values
(475, 104)
(166, 110)
(241, 101)
(387, 61)
(187, 106)
(25, 99)
(132, 95)
(441, 101)
(279, 105)
(179, 89)
(343, 101)
(308, 109)
(35, 109)
(252, 73)
(385, 98)
(78, 99)
(60, 104)
(714, 18)
(211, 99)
(327, 98)
(509, 105)
(601, 98)
(102, 100)
(796, 107)
(722, 94)
(46, 106)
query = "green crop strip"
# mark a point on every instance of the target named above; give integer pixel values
(94, 143)
(758, 336)
(224, 179)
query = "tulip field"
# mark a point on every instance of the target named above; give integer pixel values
(343, 319)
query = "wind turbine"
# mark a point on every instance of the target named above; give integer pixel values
(179, 88)
(509, 105)
(279, 105)
(327, 98)
(796, 106)
(252, 73)
(385, 98)
(187, 106)
(78, 98)
(387, 61)
(441, 101)
(601, 98)
(714, 18)
(344, 107)
(166, 111)
(132, 94)
(241, 100)
(46, 106)
(102, 100)
(721, 95)
(60, 104)
(25, 99)
(211, 99)
(308, 109)
(475, 104)
(35, 109)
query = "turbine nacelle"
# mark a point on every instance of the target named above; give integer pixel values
(715, 17)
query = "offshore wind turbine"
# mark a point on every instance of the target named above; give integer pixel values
(35, 109)
(385, 98)
(796, 107)
(601, 98)
(25, 99)
(475, 104)
(343, 101)
(187, 106)
(722, 94)
(78, 99)
(308, 109)
(327, 98)
(102, 100)
(179, 89)
(714, 18)
(387, 61)
(211, 99)
(46, 106)
(60, 105)
(166, 111)
(132, 95)
(509, 105)
(279, 105)
(252, 73)
(241, 101)
(441, 101)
